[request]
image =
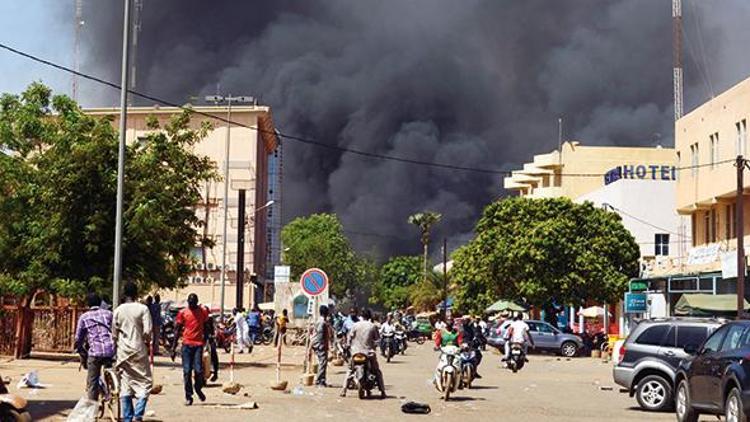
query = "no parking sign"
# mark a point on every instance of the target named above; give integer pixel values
(314, 282)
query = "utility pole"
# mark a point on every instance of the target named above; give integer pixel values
(740, 229)
(121, 155)
(216, 99)
(77, 46)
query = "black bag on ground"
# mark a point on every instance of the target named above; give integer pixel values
(417, 408)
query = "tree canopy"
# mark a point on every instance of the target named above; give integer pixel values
(58, 171)
(544, 250)
(396, 281)
(318, 241)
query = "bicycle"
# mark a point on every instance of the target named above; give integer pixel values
(109, 396)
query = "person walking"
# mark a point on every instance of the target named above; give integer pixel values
(281, 323)
(94, 342)
(191, 321)
(254, 324)
(132, 335)
(320, 343)
(240, 329)
(156, 322)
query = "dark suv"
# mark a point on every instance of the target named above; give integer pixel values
(717, 379)
(651, 355)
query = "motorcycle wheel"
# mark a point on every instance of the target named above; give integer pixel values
(420, 339)
(448, 387)
(361, 392)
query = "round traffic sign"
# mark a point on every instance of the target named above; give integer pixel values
(314, 282)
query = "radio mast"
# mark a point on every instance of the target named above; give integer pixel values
(677, 57)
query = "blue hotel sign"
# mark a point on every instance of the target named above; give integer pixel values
(635, 303)
(641, 171)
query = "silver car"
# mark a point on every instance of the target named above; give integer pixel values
(648, 360)
(546, 338)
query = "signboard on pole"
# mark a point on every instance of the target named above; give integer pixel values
(314, 282)
(639, 285)
(281, 274)
(636, 303)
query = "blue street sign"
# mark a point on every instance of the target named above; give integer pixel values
(314, 282)
(636, 303)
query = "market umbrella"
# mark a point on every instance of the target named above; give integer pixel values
(505, 305)
(593, 312)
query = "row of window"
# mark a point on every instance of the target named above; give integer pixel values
(711, 226)
(740, 147)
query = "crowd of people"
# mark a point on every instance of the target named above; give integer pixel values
(127, 338)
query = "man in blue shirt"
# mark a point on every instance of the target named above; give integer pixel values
(253, 323)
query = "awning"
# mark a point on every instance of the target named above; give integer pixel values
(704, 304)
(505, 305)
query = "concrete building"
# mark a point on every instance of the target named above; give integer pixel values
(708, 140)
(576, 169)
(647, 211)
(251, 151)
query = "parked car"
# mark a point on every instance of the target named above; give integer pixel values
(648, 360)
(716, 380)
(546, 338)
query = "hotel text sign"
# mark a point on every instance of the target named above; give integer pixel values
(641, 171)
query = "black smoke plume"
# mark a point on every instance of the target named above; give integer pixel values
(471, 82)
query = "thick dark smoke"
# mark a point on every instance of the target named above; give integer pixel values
(471, 82)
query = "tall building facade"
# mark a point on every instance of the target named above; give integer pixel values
(253, 143)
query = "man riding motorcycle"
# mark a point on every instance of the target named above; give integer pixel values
(448, 336)
(363, 338)
(387, 329)
(517, 332)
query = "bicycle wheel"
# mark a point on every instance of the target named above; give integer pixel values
(111, 399)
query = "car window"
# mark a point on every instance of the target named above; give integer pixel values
(532, 326)
(669, 340)
(653, 335)
(733, 337)
(545, 328)
(690, 335)
(713, 342)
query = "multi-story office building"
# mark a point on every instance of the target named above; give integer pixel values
(254, 167)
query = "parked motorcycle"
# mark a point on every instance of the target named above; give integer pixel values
(363, 379)
(168, 336)
(12, 406)
(517, 357)
(469, 363)
(400, 339)
(225, 335)
(448, 371)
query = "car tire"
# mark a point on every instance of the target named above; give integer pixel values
(654, 393)
(734, 410)
(569, 349)
(683, 407)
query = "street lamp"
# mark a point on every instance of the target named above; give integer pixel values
(217, 99)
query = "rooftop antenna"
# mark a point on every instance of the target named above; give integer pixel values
(77, 46)
(677, 57)
(559, 139)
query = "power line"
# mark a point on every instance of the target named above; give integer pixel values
(294, 138)
(640, 220)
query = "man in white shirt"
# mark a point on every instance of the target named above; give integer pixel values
(517, 332)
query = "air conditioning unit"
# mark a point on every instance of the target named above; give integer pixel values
(198, 280)
(211, 266)
(200, 266)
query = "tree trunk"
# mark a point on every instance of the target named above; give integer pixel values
(424, 261)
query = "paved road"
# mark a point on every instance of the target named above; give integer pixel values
(548, 389)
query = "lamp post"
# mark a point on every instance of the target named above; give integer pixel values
(124, 82)
(218, 99)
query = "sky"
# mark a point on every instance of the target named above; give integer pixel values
(477, 83)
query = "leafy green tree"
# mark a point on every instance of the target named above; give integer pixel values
(544, 250)
(425, 221)
(426, 294)
(318, 241)
(396, 281)
(58, 170)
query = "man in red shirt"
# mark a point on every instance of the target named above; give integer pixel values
(191, 321)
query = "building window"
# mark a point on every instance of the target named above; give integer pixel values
(729, 227)
(661, 243)
(706, 227)
(713, 225)
(694, 159)
(741, 144)
(694, 229)
(714, 149)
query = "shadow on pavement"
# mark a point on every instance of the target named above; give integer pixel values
(46, 408)
(483, 387)
(465, 398)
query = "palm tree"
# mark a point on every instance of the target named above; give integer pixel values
(425, 221)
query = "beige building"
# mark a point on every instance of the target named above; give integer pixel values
(708, 140)
(578, 169)
(249, 155)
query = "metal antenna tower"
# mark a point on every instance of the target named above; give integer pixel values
(677, 57)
